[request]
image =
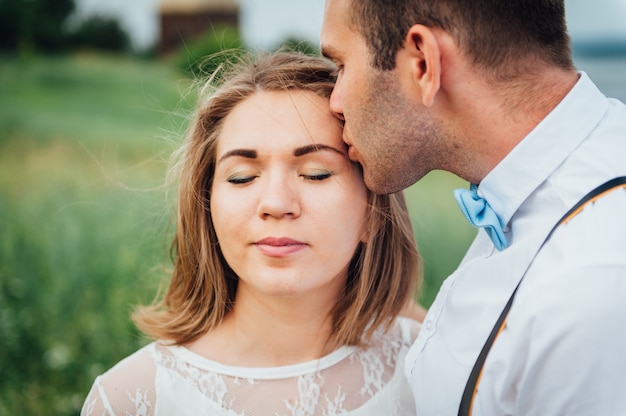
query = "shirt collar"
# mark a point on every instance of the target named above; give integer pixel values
(546, 147)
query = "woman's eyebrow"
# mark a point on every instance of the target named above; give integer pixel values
(301, 151)
(247, 153)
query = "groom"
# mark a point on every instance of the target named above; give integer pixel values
(488, 91)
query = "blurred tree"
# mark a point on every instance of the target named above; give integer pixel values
(10, 26)
(34, 24)
(203, 55)
(297, 45)
(101, 33)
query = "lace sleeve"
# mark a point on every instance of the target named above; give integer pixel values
(126, 389)
(410, 328)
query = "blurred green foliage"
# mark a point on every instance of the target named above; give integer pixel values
(85, 222)
(297, 45)
(99, 33)
(30, 26)
(202, 56)
(443, 235)
(84, 143)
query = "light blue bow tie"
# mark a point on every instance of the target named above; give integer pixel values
(480, 214)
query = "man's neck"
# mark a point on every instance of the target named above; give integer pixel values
(493, 119)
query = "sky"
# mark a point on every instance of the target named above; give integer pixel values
(265, 23)
(596, 19)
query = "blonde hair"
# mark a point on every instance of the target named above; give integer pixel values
(383, 273)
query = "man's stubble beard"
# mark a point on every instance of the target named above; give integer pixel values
(405, 141)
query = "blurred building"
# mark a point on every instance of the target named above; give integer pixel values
(183, 20)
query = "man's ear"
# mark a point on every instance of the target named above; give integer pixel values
(422, 45)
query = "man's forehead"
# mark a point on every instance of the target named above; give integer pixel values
(336, 28)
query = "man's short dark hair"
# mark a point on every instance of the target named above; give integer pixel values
(497, 35)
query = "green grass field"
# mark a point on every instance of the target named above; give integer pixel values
(84, 146)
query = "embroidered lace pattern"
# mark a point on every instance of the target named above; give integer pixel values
(169, 380)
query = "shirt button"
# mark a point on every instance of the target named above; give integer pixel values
(428, 325)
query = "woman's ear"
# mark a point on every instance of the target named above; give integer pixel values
(424, 54)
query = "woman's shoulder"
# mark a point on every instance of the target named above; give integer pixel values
(403, 329)
(390, 343)
(125, 388)
(141, 361)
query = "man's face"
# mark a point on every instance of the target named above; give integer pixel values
(387, 130)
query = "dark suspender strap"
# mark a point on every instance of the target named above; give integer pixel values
(465, 408)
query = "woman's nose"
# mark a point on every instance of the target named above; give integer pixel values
(279, 198)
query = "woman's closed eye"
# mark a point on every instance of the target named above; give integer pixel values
(239, 179)
(317, 175)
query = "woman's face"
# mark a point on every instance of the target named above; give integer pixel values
(287, 205)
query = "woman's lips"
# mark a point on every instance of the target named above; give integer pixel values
(279, 247)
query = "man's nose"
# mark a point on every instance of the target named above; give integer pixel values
(336, 104)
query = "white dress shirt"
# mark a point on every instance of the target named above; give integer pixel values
(563, 351)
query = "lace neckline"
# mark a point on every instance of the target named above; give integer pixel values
(294, 370)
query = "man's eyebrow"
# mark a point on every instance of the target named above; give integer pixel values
(301, 151)
(328, 51)
(247, 153)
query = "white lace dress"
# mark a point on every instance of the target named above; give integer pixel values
(170, 380)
